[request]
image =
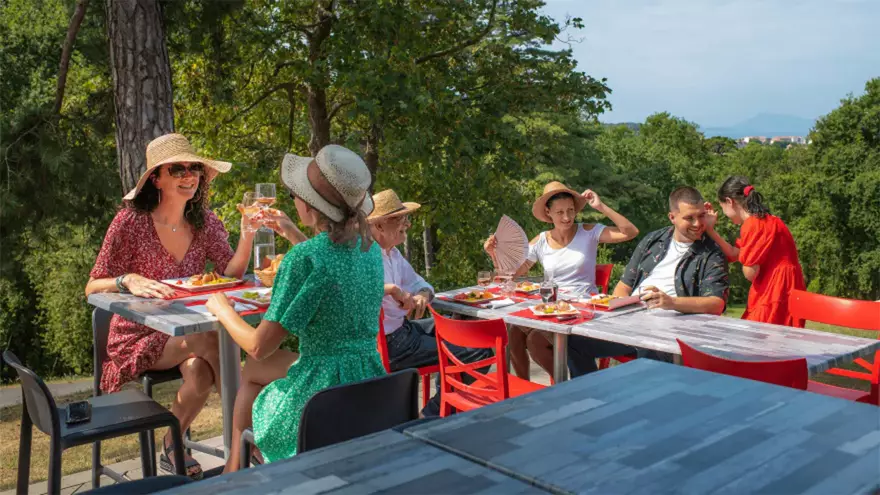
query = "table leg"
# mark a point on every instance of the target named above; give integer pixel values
(230, 376)
(560, 357)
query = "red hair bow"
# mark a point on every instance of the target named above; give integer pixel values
(748, 190)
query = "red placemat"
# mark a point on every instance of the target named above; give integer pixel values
(527, 313)
(521, 295)
(180, 293)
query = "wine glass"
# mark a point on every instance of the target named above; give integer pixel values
(588, 310)
(548, 291)
(265, 194)
(484, 278)
(249, 210)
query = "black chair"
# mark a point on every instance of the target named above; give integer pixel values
(113, 415)
(142, 487)
(100, 333)
(352, 410)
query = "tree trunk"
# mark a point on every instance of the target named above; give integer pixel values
(428, 237)
(141, 82)
(319, 119)
(316, 91)
(371, 151)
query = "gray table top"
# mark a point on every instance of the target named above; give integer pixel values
(735, 338)
(387, 462)
(171, 317)
(652, 427)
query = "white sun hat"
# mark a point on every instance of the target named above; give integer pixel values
(335, 175)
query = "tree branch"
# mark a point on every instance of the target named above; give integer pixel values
(289, 86)
(464, 44)
(66, 50)
(338, 106)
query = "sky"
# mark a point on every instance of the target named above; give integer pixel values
(719, 62)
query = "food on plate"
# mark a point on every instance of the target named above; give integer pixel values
(273, 265)
(527, 286)
(602, 299)
(551, 308)
(263, 298)
(474, 295)
(211, 278)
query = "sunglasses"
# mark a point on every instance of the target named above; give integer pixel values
(179, 170)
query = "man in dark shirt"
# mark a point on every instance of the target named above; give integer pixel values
(675, 268)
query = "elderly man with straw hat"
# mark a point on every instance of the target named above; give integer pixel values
(411, 343)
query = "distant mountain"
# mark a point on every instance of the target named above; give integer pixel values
(765, 124)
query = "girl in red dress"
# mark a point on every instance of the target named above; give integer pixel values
(766, 250)
(164, 230)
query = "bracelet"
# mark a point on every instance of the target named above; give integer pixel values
(122, 288)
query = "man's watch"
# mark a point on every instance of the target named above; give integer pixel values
(119, 284)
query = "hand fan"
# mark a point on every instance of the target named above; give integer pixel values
(513, 246)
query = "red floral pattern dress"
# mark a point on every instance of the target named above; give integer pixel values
(132, 246)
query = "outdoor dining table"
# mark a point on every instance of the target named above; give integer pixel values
(651, 427)
(386, 462)
(657, 330)
(176, 319)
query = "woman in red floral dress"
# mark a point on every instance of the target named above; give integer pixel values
(165, 230)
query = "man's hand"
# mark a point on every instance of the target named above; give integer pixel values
(657, 299)
(404, 299)
(420, 303)
(490, 245)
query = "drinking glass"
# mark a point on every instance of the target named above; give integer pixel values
(265, 194)
(508, 288)
(548, 291)
(250, 208)
(588, 310)
(484, 278)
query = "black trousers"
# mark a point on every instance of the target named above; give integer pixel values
(414, 345)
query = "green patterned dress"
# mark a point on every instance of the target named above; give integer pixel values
(329, 296)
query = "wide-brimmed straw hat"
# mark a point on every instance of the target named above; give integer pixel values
(334, 176)
(175, 148)
(550, 190)
(388, 205)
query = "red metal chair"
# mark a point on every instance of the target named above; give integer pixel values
(787, 373)
(851, 313)
(425, 372)
(603, 276)
(487, 388)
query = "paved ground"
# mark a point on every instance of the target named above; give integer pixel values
(81, 482)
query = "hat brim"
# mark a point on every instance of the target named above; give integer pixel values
(214, 167)
(541, 204)
(294, 176)
(408, 207)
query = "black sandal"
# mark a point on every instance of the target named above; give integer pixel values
(193, 468)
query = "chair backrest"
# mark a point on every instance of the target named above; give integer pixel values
(476, 334)
(382, 342)
(788, 373)
(100, 333)
(352, 410)
(852, 313)
(603, 276)
(38, 401)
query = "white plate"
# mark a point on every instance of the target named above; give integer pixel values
(572, 311)
(238, 295)
(476, 301)
(173, 282)
(619, 302)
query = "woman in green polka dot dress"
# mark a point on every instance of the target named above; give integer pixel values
(328, 291)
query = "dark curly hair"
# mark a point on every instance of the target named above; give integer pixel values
(147, 200)
(734, 188)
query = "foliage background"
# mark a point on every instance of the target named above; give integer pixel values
(471, 135)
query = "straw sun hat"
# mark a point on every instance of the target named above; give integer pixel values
(175, 148)
(549, 191)
(388, 205)
(334, 176)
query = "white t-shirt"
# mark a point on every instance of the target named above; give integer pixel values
(399, 272)
(574, 266)
(663, 275)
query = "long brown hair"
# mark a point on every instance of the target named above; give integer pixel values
(148, 199)
(346, 231)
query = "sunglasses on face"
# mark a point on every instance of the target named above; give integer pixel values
(179, 170)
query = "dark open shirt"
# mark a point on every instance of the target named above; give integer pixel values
(702, 272)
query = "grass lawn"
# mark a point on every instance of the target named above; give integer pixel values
(208, 424)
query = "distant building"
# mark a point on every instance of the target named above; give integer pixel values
(749, 139)
(788, 139)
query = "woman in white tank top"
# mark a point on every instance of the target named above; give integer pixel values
(568, 254)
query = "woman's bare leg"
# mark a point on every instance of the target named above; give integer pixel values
(518, 347)
(541, 349)
(255, 376)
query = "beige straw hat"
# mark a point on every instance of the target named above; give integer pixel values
(388, 205)
(549, 191)
(337, 172)
(175, 148)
